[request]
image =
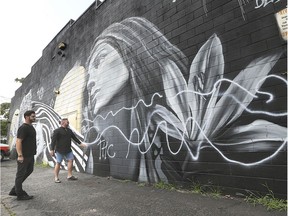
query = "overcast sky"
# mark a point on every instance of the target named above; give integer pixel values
(27, 27)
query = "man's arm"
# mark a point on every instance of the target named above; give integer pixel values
(19, 149)
(53, 143)
(73, 136)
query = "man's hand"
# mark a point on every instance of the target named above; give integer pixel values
(52, 153)
(20, 158)
(83, 145)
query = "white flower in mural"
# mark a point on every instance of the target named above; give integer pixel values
(203, 116)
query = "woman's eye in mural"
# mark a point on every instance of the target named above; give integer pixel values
(99, 60)
(91, 86)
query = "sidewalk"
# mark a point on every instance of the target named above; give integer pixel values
(92, 195)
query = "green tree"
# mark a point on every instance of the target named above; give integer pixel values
(4, 122)
(5, 109)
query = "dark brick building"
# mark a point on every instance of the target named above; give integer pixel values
(174, 91)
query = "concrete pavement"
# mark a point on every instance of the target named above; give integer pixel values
(93, 195)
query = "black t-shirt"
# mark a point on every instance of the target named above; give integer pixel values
(27, 133)
(61, 140)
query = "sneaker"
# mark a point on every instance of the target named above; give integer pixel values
(57, 181)
(13, 193)
(24, 197)
(72, 178)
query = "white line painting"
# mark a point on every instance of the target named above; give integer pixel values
(197, 113)
(149, 113)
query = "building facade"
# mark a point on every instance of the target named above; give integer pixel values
(178, 91)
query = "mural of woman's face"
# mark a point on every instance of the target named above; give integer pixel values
(107, 76)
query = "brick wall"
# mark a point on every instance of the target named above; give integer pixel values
(168, 91)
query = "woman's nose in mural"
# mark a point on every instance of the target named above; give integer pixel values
(92, 92)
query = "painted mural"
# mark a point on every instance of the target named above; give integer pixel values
(148, 114)
(141, 108)
(68, 104)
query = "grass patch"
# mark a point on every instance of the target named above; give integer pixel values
(42, 165)
(269, 201)
(142, 184)
(124, 180)
(197, 188)
(163, 185)
(207, 190)
(215, 192)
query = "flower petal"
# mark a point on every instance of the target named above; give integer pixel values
(206, 68)
(252, 135)
(240, 93)
(175, 88)
(168, 122)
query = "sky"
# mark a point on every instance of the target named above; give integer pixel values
(27, 27)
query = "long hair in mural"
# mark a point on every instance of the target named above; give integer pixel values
(149, 114)
(143, 116)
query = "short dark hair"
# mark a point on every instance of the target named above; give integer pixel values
(62, 119)
(29, 113)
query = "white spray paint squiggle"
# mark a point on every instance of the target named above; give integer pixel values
(184, 142)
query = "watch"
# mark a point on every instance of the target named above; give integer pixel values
(19, 155)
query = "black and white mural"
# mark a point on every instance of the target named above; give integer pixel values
(141, 108)
(148, 113)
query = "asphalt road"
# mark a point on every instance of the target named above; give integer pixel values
(92, 195)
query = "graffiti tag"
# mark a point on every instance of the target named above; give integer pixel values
(264, 3)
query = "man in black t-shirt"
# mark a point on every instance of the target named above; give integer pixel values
(61, 147)
(26, 149)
